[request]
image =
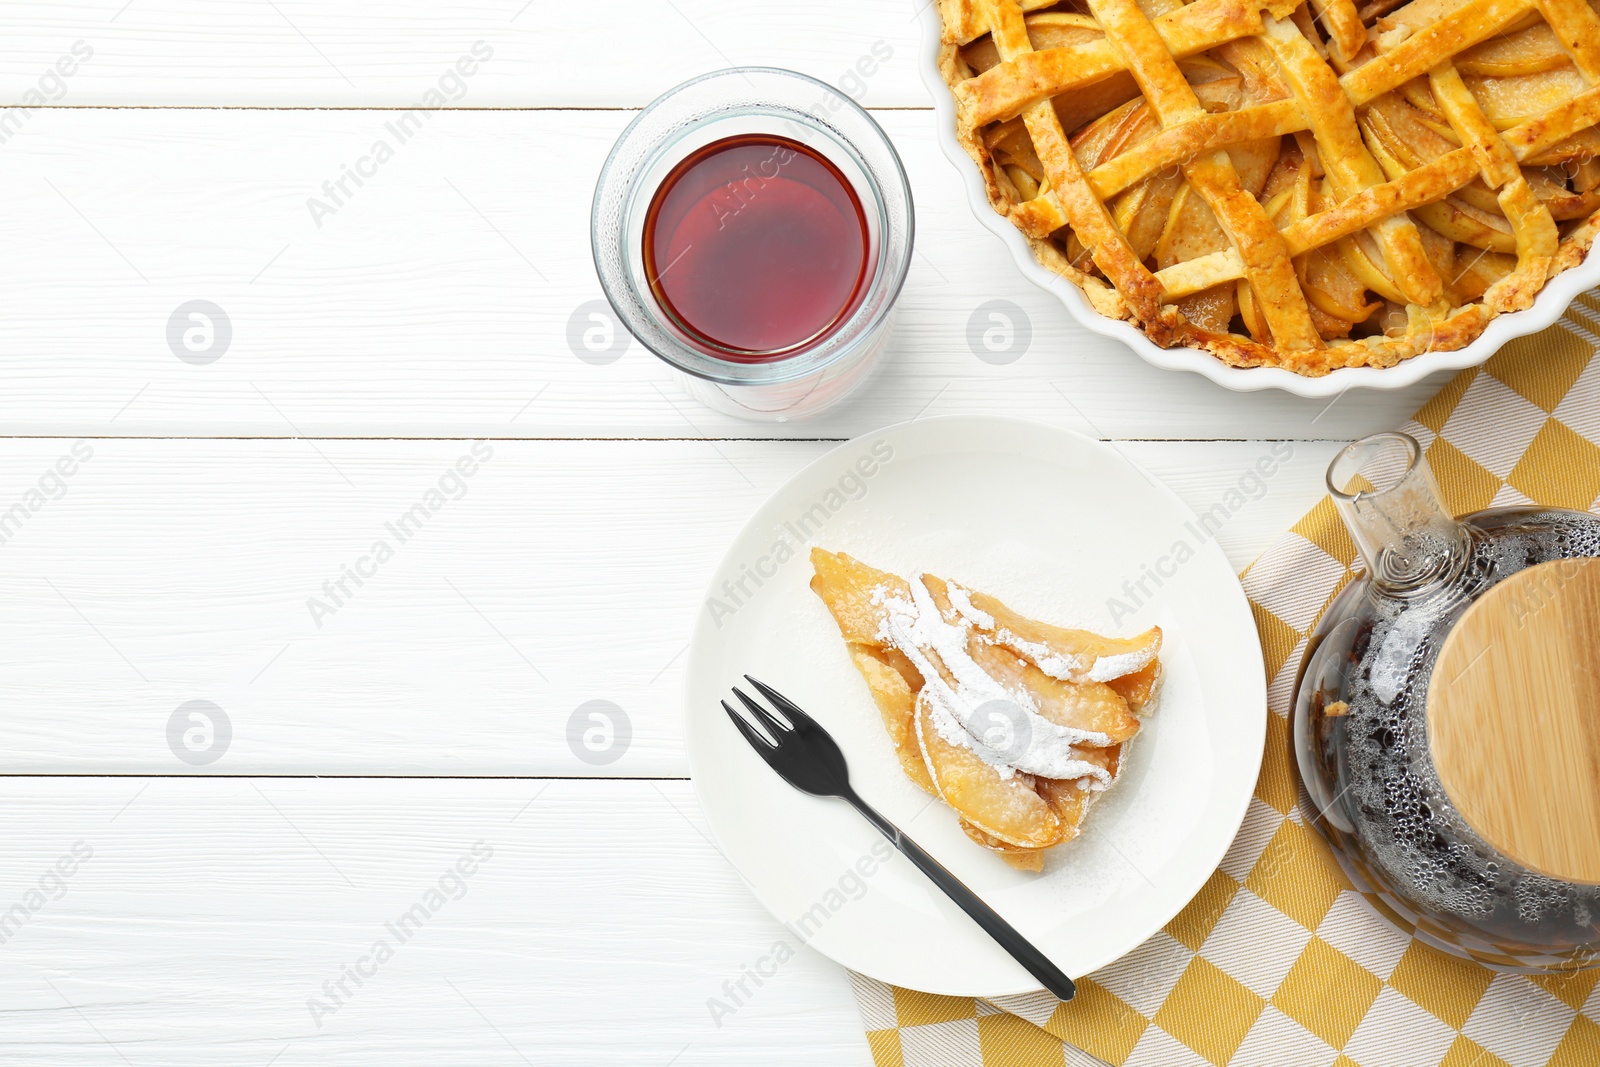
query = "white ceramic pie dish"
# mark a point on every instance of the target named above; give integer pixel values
(1557, 294)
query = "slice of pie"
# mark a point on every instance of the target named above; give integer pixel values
(1016, 724)
(1303, 185)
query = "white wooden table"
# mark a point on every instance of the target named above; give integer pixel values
(376, 740)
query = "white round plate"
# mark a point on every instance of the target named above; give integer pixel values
(1555, 298)
(1056, 525)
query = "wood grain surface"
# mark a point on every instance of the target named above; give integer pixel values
(1514, 718)
(366, 350)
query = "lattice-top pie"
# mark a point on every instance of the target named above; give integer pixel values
(1303, 185)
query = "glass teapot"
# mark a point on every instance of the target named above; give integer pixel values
(1416, 804)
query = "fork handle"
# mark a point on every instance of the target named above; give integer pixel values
(1021, 949)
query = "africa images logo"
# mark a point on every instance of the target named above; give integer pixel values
(451, 885)
(1250, 485)
(450, 87)
(850, 485)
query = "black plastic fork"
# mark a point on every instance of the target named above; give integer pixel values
(807, 757)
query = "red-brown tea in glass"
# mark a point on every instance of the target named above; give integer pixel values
(756, 246)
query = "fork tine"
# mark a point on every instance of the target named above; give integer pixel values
(789, 708)
(751, 734)
(774, 725)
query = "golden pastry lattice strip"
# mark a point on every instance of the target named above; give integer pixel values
(1577, 27)
(1087, 214)
(1004, 90)
(1555, 125)
(1042, 216)
(1344, 26)
(1494, 158)
(1462, 28)
(1531, 222)
(1193, 275)
(1205, 133)
(1261, 249)
(1413, 189)
(967, 20)
(1350, 167)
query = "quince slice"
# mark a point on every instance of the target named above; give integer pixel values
(1332, 287)
(1063, 30)
(1068, 800)
(1530, 51)
(1091, 706)
(1509, 101)
(1023, 859)
(849, 588)
(894, 683)
(1141, 212)
(1009, 809)
(1140, 688)
(1192, 232)
(1071, 655)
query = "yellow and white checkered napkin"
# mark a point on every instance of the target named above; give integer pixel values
(1278, 962)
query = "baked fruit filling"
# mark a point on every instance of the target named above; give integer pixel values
(1305, 185)
(1017, 725)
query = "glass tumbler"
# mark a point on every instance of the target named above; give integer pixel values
(730, 103)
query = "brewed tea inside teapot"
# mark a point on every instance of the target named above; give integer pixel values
(1447, 716)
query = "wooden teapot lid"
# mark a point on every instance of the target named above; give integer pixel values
(1514, 718)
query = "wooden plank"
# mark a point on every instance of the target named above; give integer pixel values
(436, 299)
(362, 53)
(160, 572)
(201, 918)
